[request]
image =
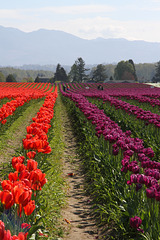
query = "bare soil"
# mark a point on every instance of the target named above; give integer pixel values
(78, 219)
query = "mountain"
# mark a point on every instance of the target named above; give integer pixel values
(53, 47)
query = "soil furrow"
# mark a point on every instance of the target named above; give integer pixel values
(78, 221)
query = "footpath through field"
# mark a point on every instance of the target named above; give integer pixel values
(78, 220)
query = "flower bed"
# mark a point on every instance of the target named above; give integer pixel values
(120, 168)
(20, 191)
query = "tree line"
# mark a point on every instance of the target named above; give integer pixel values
(20, 75)
(79, 72)
(124, 70)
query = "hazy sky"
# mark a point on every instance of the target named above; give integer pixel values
(89, 19)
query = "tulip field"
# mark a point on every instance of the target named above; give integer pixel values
(20, 188)
(118, 131)
(118, 135)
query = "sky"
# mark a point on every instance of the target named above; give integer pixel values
(88, 19)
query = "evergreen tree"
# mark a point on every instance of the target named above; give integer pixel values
(135, 75)
(64, 77)
(57, 73)
(156, 77)
(99, 74)
(60, 74)
(37, 80)
(73, 74)
(10, 78)
(78, 71)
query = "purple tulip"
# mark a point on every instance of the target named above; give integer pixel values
(124, 169)
(138, 186)
(150, 192)
(135, 222)
(125, 162)
(115, 151)
(136, 169)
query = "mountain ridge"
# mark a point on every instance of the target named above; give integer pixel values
(54, 46)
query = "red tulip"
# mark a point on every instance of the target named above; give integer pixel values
(16, 160)
(25, 226)
(7, 235)
(37, 179)
(4, 121)
(29, 208)
(2, 229)
(24, 174)
(13, 176)
(29, 136)
(22, 236)
(17, 191)
(20, 167)
(45, 150)
(31, 165)
(25, 197)
(7, 199)
(31, 154)
(7, 185)
(27, 183)
(22, 195)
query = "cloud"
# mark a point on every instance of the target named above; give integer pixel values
(67, 10)
(10, 14)
(85, 21)
(80, 9)
(90, 28)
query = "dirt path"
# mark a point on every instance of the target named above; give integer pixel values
(78, 221)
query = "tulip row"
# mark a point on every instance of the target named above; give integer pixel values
(10, 107)
(19, 192)
(119, 89)
(135, 92)
(109, 129)
(21, 97)
(147, 116)
(143, 99)
(144, 118)
(144, 124)
(36, 138)
(145, 173)
(13, 91)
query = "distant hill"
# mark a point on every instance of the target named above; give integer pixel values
(52, 47)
